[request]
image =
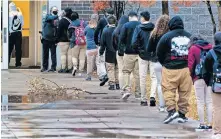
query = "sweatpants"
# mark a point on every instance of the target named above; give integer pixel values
(112, 72)
(47, 45)
(66, 62)
(79, 55)
(91, 58)
(176, 79)
(216, 99)
(158, 72)
(15, 40)
(143, 68)
(101, 68)
(203, 97)
(131, 65)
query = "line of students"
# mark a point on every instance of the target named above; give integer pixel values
(171, 54)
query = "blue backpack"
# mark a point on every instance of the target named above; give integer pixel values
(216, 83)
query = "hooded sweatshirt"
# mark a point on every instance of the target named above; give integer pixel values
(140, 39)
(172, 49)
(16, 21)
(194, 56)
(209, 61)
(126, 35)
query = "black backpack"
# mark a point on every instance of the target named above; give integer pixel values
(216, 83)
(200, 70)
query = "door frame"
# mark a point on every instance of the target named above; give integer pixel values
(4, 63)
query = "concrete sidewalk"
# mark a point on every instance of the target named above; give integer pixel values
(99, 115)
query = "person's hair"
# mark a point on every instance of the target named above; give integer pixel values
(111, 20)
(132, 14)
(193, 39)
(74, 16)
(161, 26)
(68, 12)
(95, 17)
(217, 38)
(109, 11)
(145, 15)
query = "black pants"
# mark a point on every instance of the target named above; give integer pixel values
(46, 46)
(15, 40)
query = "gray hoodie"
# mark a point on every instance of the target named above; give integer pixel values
(16, 21)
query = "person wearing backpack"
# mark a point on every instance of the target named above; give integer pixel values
(77, 42)
(139, 42)
(49, 37)
(64, 42)
(196, 57)
(212, 65)
(16, 22)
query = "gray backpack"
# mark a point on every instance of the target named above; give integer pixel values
(216, 84)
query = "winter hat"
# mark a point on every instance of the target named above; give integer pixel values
(217, 38)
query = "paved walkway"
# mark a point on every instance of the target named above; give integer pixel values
(100, 114)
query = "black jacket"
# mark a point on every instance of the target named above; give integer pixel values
(50, 26)
(209, 61)
(140, 40)
(152, 46)
(126, 35)
(62, 30)
(172, 49)
(107, 45)
(99, 30)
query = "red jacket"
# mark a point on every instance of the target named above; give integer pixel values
(194, 56)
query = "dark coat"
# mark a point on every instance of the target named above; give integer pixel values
(140, 40)
(172, 49)
(62, 30)
(99, 30)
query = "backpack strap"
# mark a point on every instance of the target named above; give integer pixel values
(215, 65)
(67, 19)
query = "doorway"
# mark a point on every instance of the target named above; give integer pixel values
(31, 44)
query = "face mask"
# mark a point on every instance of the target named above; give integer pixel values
(55, 12)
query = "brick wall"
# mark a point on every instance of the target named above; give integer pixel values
(196, 18)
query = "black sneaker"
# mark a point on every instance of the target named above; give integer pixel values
(152, 102)
(117, 86)
(104, 80)
(182, 118)
(52, 70)
(172, 114)
(111, 87)
(43, 70)
(143, 103)
(201, 127)
(209, 127)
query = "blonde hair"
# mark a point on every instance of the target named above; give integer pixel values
(161, 26)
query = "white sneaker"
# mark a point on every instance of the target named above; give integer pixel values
(126, 96)
(162, 109)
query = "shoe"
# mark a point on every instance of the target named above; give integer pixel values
(126, 96)
(152, 102)
(104, 80)
(111, 87)
(88, 78)
(52, 70)
(209, 127)
(143, 103)
(62, 71)
(43, 70)
(172, 114)
(201, 127)
(162, 109)
(117, 86)
(182, 118)
(74, 71)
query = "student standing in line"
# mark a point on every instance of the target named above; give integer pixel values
(130, 56)
(110, 52)
(91, 51)
(213, 67)
(116, 34)
(160, 29)
(139, 42)
(172, 53)
(197, 53)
